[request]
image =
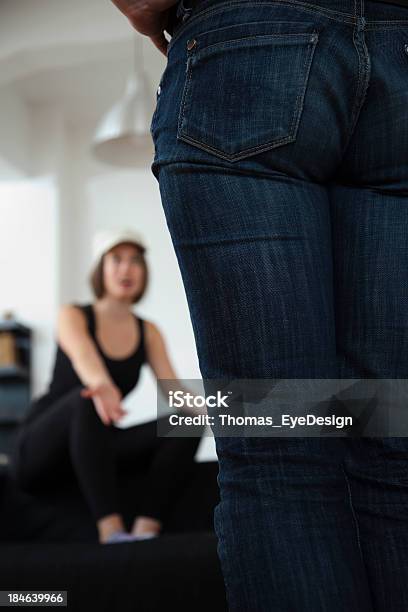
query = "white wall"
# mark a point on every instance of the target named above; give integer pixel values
(28, 25)
(28, 264)
(14, 129)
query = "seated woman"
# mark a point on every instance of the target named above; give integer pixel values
(101, 348)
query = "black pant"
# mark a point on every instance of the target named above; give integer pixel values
(70, 433)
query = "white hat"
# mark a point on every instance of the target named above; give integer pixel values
(104, 241)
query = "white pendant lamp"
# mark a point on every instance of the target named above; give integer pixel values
(123, 138)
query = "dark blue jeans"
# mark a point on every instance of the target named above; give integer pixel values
(281, 152)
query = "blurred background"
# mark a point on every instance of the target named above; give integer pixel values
(77, 92)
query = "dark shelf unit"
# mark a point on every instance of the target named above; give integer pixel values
(15, 386)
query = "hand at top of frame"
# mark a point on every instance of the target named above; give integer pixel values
(148, 17)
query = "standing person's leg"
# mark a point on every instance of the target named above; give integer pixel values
(255, 108)
(169, 465)
(370, 217)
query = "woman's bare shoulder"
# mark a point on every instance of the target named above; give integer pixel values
(152, 331)
(71, 313)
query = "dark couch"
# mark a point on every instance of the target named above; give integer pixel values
(50, 542)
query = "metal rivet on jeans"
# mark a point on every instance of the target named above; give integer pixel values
(158, 90)
(406, 48)
(191, 44)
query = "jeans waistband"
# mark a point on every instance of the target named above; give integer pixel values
(371, 9)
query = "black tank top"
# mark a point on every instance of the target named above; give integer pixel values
(124, 372)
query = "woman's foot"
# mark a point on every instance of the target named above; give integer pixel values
(109, 525)
(146, 527)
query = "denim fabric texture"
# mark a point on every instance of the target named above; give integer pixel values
(281, 153)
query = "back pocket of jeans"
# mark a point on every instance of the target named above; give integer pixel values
(245, 94)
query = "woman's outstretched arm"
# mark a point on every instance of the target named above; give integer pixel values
(77, 343)
(162, 367)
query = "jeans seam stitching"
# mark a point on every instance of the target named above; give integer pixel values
(220, 43)
(377, 25)
(325, 11)
(213, 10)
(359, 83)
(236, 156)
(183, 101)
(360, 96)
(353, 513)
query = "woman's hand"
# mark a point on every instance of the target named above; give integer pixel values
(107, 400)
(148, 17)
